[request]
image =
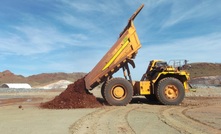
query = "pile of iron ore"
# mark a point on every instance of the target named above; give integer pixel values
(75, 96)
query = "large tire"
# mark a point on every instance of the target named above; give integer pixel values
(170, 91)
(118, 92)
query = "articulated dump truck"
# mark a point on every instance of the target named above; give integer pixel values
(161, 82)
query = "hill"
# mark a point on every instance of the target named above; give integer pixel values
(39, 79)
(48, 78)
(204, 69)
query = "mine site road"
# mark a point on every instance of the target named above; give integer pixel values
(176, 118)
(141, 119)
(195, 115)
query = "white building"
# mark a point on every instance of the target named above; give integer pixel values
(15, 85)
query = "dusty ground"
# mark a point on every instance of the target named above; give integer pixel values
(200, 112)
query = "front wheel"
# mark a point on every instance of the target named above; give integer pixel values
(170, 91)
(118, 91)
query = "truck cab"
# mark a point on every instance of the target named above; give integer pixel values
(163, 82)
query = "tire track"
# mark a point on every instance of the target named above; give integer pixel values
(88, 123)
(104, 120)
(175, 117)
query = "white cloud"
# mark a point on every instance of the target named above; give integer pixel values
(106, 7)
(29, 40)
(77, 22)
(202, 48)
(182, 11)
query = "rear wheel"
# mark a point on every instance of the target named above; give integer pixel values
(170, 91)
(118, 91)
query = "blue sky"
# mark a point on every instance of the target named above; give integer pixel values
(73, 35)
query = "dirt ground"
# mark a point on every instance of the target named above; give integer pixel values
(198, 113)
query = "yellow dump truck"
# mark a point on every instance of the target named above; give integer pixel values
(165, 83)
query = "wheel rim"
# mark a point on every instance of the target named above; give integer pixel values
(118, 92)
(171, 92)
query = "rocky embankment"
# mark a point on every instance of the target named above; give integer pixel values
(206, 82)
(205, 75)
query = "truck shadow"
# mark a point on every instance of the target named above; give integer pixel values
(135, 100)
(139, 100)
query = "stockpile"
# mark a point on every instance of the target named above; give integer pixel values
(75, 96)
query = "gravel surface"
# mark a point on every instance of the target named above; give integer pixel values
(196, 114)
(14, 90)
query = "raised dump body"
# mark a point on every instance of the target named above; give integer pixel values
(125, 49)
